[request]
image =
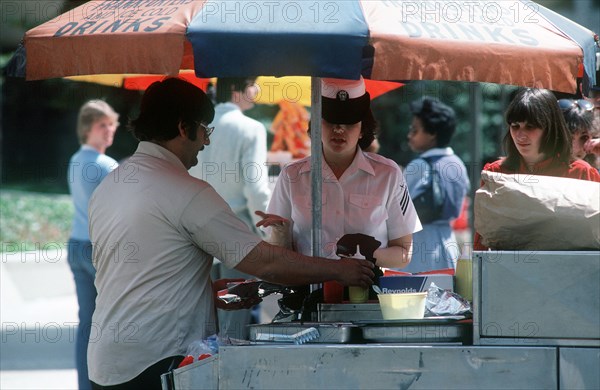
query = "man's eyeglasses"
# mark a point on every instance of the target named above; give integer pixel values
(567, 104)
(207, 130)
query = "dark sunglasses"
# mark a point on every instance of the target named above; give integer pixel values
(567, 104)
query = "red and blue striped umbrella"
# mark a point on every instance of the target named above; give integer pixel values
(507, 42)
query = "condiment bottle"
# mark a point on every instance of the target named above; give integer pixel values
(358, 294)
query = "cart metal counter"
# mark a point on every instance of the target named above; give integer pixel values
(536, 325)
(373, 366)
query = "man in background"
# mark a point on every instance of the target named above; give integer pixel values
(235, 165)
(96, 126)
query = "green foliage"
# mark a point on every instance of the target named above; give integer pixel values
(33, 221)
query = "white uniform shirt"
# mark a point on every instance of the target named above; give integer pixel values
(155, 230)
(370, 198)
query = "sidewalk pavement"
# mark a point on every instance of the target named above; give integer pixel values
(38, 313)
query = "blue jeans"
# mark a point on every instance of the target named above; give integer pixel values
(80, 261)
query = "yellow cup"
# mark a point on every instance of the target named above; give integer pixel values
(464, 278)
(358, 294)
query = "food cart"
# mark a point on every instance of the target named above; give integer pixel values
(536, 324)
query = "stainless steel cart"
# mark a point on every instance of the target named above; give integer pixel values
(536, 325)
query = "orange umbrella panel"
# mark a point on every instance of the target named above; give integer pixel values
(112, 37)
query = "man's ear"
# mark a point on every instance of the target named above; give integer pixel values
(182, 129)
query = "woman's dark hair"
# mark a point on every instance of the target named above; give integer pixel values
(226, 86)
(539, 108)
(165, 104)
(578, 119)
(368, 130)
(437, 118)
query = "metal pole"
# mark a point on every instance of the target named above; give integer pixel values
(316, 158)
(476, 146)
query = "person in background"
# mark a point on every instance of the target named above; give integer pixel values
(433, 125)
(154, 241)
(96, 126)
(592, 146)
(538, 142)
(594, 98)
(579, 118)
(362, 192)
(235, 165)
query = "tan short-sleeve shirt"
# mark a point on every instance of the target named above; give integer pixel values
(155, 230)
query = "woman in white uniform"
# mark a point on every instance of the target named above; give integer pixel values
(362, 192)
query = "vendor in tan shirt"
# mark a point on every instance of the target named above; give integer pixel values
(155, 231)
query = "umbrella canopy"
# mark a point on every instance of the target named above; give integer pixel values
(508, 42)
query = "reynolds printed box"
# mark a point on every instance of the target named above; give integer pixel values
(414, 283)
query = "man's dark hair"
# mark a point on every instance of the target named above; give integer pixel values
(167, 103)
(538, 107)
(226, 86)
(437, 118)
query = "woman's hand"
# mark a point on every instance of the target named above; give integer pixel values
(281, 234)
(398, 253)
(272, 220)
(592, 146)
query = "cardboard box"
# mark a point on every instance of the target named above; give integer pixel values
(414, 283)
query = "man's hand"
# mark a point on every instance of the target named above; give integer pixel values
(355, 272)
(221, 284)
(243, 304)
